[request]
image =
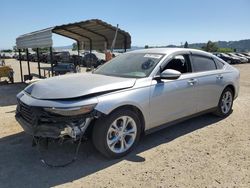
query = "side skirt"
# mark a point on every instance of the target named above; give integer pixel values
(163, 126)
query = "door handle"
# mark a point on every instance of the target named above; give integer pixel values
(219, 77)
(192, 81)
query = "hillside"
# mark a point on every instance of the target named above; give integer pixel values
(241, 45)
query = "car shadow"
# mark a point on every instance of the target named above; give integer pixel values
(20, 165)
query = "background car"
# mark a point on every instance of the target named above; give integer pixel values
(228, 59)
(242, 59)
(245, 56)
(63, 68)
(91, 60)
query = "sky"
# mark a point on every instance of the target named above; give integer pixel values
(153, 23)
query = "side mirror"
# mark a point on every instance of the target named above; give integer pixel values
(169, 74)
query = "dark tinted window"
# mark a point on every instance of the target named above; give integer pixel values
(201, 63)
(219, 64)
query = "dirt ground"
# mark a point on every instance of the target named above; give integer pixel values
(202, 152)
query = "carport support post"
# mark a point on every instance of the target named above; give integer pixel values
(78, 47)
(20, 61)
(28, 61)
(125, 44)
(90, 46)
(38, 62)
(51, 61)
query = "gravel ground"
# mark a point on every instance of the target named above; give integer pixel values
(202, 152)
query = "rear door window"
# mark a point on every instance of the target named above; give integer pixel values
(201, 63)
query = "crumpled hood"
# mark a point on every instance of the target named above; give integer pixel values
(77, 85)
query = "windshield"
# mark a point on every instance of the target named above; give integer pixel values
(130, 65)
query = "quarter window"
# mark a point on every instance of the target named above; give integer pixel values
(219, 64)
(201, 63)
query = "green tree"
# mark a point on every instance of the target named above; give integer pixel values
(210, 47)
(146, 46)
(186, 45)
(225, 50)
(6, 50)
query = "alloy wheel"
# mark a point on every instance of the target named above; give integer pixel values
(121, 134)
(226, 102)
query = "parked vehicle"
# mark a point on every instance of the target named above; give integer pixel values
(77, 60)
(246, 53)
(33, 57)
(15, 56)
(133, 94)
(228, 59)
(242, 59)
(44, 57)
(23, 57)
(63, 68)
(63, 57)
(245, 56)
(6, 55)
(91, 60)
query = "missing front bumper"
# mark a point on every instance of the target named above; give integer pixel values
(55, 130)
(40, 123)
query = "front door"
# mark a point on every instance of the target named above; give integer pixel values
(173, 99)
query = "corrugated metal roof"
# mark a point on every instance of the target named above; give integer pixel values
(95, 33)
(37, 39)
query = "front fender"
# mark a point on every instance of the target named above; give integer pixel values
(138, 97)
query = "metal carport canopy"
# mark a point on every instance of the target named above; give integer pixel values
(37, 39)
(91, 34)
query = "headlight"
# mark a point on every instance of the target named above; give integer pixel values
(73, 111)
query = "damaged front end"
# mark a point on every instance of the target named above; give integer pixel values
(55, 122)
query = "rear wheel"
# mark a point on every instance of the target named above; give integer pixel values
(117, 134)
(225, 104)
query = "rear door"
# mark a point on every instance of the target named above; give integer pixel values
(210, 81)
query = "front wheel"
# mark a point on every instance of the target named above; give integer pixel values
(117, 134)
(225, 104)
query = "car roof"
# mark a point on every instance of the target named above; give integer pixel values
(171, 50)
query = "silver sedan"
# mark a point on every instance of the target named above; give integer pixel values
(133, 94)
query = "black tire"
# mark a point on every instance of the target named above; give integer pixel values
(219, 112)
(100, 131)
